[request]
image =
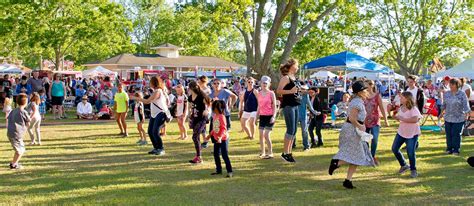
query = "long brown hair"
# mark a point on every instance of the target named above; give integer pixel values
(285, 68)
(410, 103)
(156, 84)
(193, 86)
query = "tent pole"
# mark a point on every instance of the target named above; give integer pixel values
(389, 87)
(345, 80)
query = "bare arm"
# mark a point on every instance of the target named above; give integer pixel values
(150, 99)
(274, 105)
(233, 99)
(468, 93)
(284, 81)
(379, 99)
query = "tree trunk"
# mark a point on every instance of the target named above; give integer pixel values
(292, 39)
(57, 59)
(283, 9)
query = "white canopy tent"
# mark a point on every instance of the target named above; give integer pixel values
(10, 69)
(464, 69)
(323, 75)
(374, 76)
(98, 71)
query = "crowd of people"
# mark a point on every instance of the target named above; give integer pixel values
(208, 104)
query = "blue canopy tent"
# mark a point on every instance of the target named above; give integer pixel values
(219, 74)
(346, 61)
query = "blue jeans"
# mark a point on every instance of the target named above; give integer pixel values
(222, 149)
(304, 132)
(291, 116)
(154, 127)
(453, 136)
(411, 148)
(375, 132)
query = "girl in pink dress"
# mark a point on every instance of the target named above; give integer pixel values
(407, 133)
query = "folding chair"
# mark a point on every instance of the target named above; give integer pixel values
(429, 111)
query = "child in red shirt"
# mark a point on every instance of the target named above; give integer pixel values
(219, 137)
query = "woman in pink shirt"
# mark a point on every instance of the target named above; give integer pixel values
(266, 112)
(408, 132)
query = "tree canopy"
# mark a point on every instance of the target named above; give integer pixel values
(77, 30)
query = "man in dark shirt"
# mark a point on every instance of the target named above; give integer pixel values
(35, 82)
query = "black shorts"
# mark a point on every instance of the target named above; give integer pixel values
(265, 123)
(57, 100)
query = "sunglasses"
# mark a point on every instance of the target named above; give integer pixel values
(216, 83)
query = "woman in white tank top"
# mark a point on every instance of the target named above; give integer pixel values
(158, 107)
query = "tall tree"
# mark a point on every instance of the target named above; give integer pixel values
(296, 17)
(81, 30)
(413, 32)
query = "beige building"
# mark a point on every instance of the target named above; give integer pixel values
(167, 58)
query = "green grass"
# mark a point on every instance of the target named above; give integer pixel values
(90, 164)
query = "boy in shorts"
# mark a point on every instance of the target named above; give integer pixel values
(18, 122)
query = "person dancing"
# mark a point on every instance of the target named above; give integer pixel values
(291, 99)
(352, 150)
(158, 114)
(198, 118)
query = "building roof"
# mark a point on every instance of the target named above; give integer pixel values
(167, 46)
(181, 61)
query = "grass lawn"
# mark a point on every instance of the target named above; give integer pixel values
(90, 164)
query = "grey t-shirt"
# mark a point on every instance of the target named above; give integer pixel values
(36, 84)
(17, 120)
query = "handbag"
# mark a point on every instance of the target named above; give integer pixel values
(169, 117)
(364, 136)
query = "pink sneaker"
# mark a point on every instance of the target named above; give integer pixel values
(196, 160)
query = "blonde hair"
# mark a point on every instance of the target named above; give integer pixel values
(409, 100)
(371, 83)
(7, 102)
(35, 98)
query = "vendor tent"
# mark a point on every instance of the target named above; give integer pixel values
(97, 71)
(10, 69)
(345, 61)
(374, 75)
(465, 69)
(323, 75)
(219, 74)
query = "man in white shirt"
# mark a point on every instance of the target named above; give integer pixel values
(84, 109)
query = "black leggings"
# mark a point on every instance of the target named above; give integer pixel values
(318, 124)
(198, 127)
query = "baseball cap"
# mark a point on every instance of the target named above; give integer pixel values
(358, 86)
(266, 79)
